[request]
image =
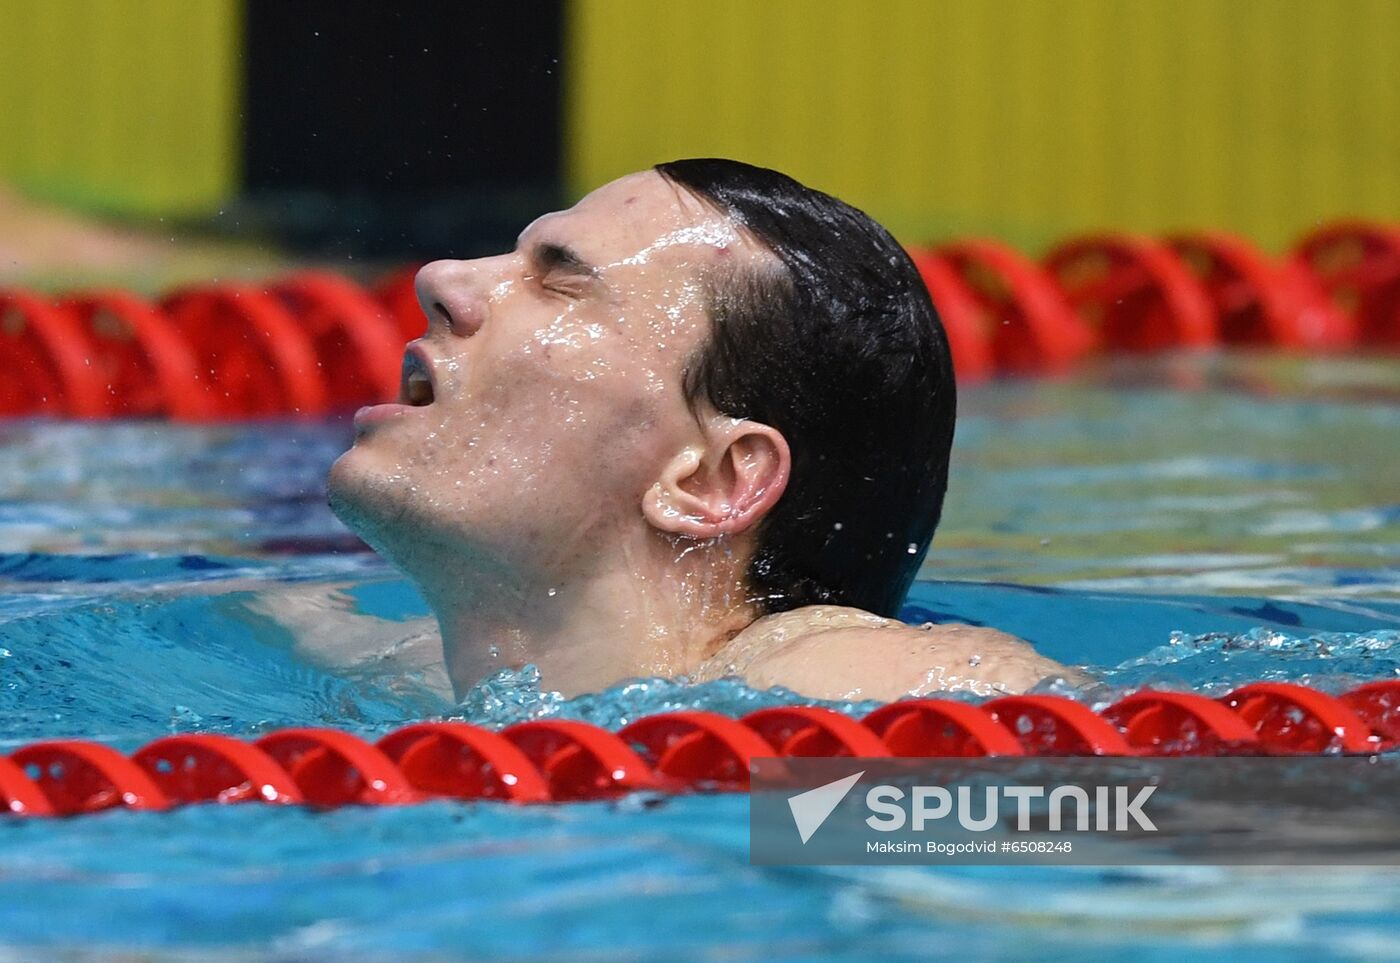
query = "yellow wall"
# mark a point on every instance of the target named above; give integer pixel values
(1026, 119)
(128, 105)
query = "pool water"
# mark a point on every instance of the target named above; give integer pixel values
(1187, 522)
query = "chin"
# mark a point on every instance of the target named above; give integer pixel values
(382, 510)
(361, 498)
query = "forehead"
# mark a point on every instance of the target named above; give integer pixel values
(644, 220)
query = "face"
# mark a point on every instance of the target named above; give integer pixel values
(546, 396)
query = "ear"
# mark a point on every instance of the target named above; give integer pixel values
(724, 488)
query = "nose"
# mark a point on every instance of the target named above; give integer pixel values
(451, 295)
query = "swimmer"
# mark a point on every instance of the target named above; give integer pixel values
(696, 425)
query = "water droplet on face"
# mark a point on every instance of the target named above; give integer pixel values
(974, 660)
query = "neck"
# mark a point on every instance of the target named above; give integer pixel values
(659, 609)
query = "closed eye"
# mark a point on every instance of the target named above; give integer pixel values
(561, 269)
(569, 287)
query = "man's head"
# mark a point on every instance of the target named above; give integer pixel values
(703, 354)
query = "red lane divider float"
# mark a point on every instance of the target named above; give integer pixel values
(1030, 327)
(1378, 705)
(941, 728)
(1358, 265)
(697, 749)
(1049, 726)
(316, 342)
(814, 731)
(85, 777)
(333, 768)
(141, 359)
(580, 761)
(355, 340)
(20, 795)
(258, 358)
(1135, 292)
(214, 768)
(967, 324)
(1260, 302)
(1295, 719)
(1180, 724)
(464, 762)
(46, 363)
(558, 760)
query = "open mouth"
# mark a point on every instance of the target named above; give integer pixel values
(416, 382)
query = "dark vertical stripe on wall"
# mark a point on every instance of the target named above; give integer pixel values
(422, 123)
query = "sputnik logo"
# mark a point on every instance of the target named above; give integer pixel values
(811, 808)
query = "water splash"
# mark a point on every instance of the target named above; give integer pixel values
(1214, 662)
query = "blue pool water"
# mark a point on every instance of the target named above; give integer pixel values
(1191, 523)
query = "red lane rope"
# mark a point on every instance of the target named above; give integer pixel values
(20, 795)
(941, 727)
(46, 360)
(814, 731)
(1259, 301)
(558, 760)
(145, 365)
(580, 761)
(1180, 724)
(85, 777)
(333, 768)
(1378, 705)
(1033, 329)
(464, 762)
(1290, 718)
(697, 749)
(1051, 726)
(967, 323)
(1135, 292)
(257, 356)
(214, 768)
(355, 341)
(1358, 265)
(315, 341)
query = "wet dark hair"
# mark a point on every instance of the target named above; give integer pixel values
(838, 347)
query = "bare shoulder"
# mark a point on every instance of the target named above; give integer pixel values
(833, 652)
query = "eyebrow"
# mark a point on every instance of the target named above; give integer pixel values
(550, 256)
